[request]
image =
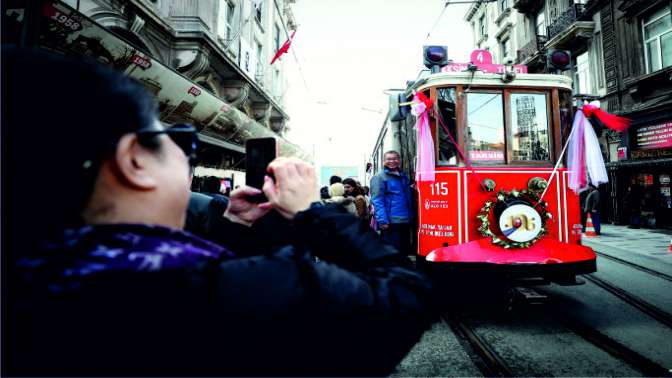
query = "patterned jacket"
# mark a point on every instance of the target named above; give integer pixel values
(148, 300)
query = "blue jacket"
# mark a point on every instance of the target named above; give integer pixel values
(391, 197)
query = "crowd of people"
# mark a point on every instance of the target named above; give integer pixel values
(350, 194)
(101, 279)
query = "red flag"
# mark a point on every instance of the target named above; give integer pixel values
(284, 48)
(611, 121)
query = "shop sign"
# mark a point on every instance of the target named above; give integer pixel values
(661, 152)
(655, 136)
(622, 153)
(664, 179)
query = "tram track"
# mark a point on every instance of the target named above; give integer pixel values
(490, 363)
(652, 272)
(618, 350)
(642, 305)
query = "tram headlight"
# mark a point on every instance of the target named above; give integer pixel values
(558, 60)
(435, 57)
(537, 184)
(489, 185)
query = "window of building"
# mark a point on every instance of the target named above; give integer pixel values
(582, 74)
(503, 5)
(540, 24)
(599, 59)
(552, 10)
(276, 83)
(657, 29)
(529, 127)
(485, 127)
(483, 25)
(225, 26)
(506, 48)
(259, 73)
(276, 37)
(230, 12)
(258, 9)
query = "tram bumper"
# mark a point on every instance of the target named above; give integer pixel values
(547, 259)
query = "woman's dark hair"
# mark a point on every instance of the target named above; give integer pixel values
(356, 188)
(350, 181)
(61, 117)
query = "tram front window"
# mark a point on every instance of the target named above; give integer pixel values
(447, 151)
(485, 128)
(529, 127)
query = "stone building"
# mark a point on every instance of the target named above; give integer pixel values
(493, 28)
(222, 46)
(638, 65)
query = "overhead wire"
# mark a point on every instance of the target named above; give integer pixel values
(437, 20)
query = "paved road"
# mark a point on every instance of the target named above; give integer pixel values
(534, 341)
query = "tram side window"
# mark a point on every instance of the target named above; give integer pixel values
(529, 127)
(485, 128)
(446, 103)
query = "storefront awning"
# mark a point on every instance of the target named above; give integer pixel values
(640, 163)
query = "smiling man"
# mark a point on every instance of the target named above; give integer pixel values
(391, 198)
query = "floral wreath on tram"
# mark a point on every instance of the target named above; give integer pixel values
(520, 222)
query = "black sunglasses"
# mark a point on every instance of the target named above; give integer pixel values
(183, 135)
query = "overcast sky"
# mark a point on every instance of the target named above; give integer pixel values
(349, 52)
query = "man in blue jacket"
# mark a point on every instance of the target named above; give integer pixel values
(391, 198)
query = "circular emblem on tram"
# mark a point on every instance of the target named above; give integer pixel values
(520, 223)
(520, 215)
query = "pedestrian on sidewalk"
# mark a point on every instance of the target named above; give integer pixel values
(632, 202)
(592, 207)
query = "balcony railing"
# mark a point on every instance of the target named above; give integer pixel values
(566, 19)
(531, 48)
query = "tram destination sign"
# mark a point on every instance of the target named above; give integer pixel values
(483, 61)
(655, 136)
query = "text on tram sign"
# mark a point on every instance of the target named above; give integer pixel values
(439, 188)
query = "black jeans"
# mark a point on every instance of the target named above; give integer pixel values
(399, 236)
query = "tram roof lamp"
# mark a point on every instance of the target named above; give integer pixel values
(435, 57)
(558, 60)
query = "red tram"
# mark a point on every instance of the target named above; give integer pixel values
(497, 134)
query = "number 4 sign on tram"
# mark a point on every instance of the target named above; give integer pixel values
(483, 61)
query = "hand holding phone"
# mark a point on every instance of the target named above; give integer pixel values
(294, 187)
(259, 153)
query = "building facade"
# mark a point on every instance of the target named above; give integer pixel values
(638, 65)
(494, 28)
(621, 55)
(222, 46)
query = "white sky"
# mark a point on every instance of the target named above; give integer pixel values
(350, 51)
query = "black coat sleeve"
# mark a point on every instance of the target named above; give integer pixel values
(379, 305)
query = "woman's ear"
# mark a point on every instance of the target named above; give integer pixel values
(136, 164)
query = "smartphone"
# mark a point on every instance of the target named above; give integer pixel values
(259, 153)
